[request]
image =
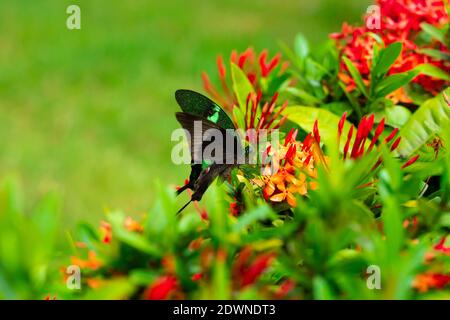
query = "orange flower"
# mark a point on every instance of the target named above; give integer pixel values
(106, 230)
(91, 263)
(291, 166)
(94, 283)
(426, 281)
(169, 263)
(132, 225)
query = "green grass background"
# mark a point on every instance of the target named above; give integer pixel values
(88, 113)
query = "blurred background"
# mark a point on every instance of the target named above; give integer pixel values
(89, 113)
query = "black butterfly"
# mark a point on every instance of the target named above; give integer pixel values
(197, 107)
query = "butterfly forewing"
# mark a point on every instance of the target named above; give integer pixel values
(197, 104)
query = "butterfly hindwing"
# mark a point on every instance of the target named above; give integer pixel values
(200, 139)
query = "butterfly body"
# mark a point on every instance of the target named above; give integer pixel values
(198, 109)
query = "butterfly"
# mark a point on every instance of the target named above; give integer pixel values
(196, 108)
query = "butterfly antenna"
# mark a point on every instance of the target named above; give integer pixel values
(179, 211)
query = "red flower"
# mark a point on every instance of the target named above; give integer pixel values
(269, 117)
(196, 277)
(401, 22)
(235, 209)
(161, 288)
(426, 281)
(255, 68)
(248, 272)
(286, 287)
(441, 246)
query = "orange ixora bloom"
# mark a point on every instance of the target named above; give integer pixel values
(132, 225)
(106, 230)
(291, 169)
(426, 281)
(91, 263)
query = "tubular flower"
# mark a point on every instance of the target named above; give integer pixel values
(161, 288)
(256, 68)
(291, 166)
(441, 247)
(361, 137)
(247, 272)
(265, 116)
(400, 22)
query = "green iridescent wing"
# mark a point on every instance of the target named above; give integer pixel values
(197, 104)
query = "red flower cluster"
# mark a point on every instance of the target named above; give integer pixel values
(400, 22)
(269, 117)
(256, 67)
(362, 135)
(426, 281)
(161, 288)
(246, 272)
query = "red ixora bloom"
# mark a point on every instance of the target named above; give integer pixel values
(360, 142)
(265, 116)
(442, 247)
(247, 272)
(161, 288)
(400, 22)
(256, 67)
(426, 281)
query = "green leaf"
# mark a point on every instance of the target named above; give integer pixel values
(241, 85)
(322, 290)
(338, 108)
(240, 118)
(432, 71)
(133, 239)
(117, 289)
(220, 279)
(386, 59)
(392, 83)
(301, 46)
(257, 214)
(303, 96)
(356, 76)
(434, 53)
(423, 125)
(395, 116)
(434, 32)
